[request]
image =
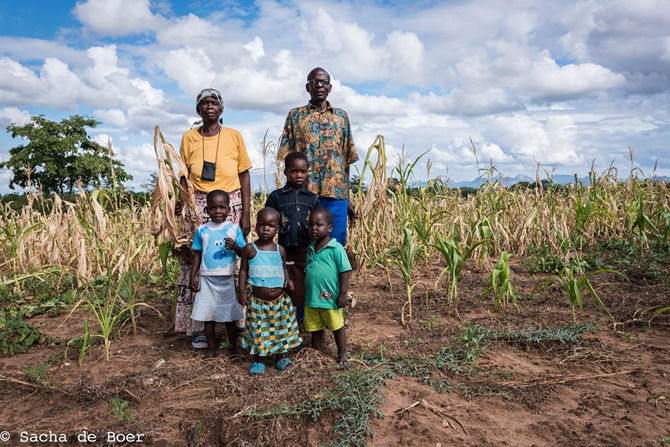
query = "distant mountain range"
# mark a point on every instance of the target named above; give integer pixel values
(563, 179)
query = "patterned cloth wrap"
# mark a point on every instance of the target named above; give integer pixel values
(271, 327)
(185, 297)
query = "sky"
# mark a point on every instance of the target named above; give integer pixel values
(565, 84)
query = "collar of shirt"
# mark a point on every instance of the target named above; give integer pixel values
(312, 106)
(331, 244)
(288, 188)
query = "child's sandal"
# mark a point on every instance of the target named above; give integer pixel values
(282, 364)
(256, 369)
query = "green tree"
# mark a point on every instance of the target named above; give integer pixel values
(59, 156)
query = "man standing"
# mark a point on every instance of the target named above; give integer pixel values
(322, 132)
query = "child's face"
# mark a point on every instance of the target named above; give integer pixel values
(217, 208)
(267, 226)
(318, 226)
(296, 173)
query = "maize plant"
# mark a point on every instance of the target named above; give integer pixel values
(108, 312)
(572, 286)
(500, 283)
(455, 255)
(404, 256)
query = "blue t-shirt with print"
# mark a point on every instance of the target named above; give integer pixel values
(210, 238)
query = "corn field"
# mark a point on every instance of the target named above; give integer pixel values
(97, 236)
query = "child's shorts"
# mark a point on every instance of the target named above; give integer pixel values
(317, 319)
(216, 300)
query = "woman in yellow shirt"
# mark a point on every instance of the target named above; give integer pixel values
(216, 158)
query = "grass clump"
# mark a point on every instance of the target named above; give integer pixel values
(459, 356)
(39, 373)
(531, 335)
(356, 397)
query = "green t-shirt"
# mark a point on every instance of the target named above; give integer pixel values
(322, 274)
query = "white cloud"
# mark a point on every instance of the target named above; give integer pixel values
(548, 140)
(623, 36)
(105, 64)
(103, 139)
(188, 30)
(113, 117)
(116, 17)
(365, 105)
(559, 82)
(473, 103)
(406, 57)
(190, 67)
(349, 46)
(626, 125)
(30, 49)
(102, 83)
(255, 48)
(13, 115)
(548, 80)
(141, 159)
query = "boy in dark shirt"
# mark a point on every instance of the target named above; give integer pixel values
(294, 203)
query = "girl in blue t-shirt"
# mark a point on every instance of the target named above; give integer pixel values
(271, 327)
(215, 246)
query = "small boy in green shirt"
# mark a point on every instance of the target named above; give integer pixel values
(326, 284)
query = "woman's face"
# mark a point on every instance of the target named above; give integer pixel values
(209, 110)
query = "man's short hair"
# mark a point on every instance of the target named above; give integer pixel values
(292, 157)
(309, 75)
(268, 210)
(217, 193)
(326, 213)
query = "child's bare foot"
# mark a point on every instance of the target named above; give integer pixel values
(235, 353)
(344, 361)
(210, 353)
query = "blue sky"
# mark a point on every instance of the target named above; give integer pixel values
(559, 84)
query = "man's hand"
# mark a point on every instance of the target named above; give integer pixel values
(242, 299)
(245, 223)
(352, 214)
(288, 285)
(194, 284)
(230, 243)
(341, 301)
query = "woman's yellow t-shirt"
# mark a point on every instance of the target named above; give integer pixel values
(232, 160)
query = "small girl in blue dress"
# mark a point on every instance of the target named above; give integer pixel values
(215, 246)
(271, 327)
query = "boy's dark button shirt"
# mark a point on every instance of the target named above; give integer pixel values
(294, 208)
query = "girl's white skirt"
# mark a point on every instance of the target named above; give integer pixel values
(216, 300)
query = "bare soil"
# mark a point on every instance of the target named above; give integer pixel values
(599, 392)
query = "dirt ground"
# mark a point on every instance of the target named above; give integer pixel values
(606, 390)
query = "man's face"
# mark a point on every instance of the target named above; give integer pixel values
(318, 86)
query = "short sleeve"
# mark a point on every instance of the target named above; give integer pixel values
(342, 260)
(182, 154)
(287, 140)
(350, 151)
(239, 238)
(317, 203)
(243, 162)
(197, 240)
